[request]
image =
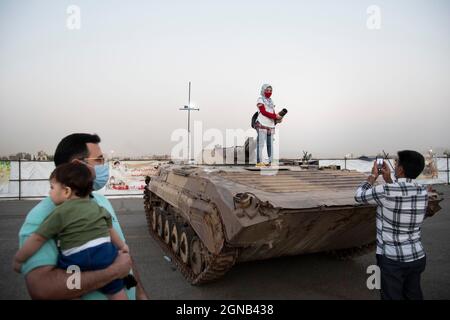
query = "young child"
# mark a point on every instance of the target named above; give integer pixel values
(83, 229)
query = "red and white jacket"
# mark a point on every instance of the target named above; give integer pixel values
(267, 115)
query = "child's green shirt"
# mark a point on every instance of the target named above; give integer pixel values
(76, 222)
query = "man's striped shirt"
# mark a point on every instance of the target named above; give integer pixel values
(401, 209)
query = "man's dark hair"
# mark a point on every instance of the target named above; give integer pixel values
(76, 176)
(412, 163)
(73, 147)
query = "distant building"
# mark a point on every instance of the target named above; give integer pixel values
(161, 157)
(41, 156)
(21, 156)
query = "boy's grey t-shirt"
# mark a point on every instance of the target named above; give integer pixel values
(76, 222)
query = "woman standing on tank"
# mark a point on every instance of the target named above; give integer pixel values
(265, 125)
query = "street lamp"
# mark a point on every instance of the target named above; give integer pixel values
(189, 108)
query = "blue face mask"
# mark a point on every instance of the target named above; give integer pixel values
(101, 176)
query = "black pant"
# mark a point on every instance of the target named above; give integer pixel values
(400, 280)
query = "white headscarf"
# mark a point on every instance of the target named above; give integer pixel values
(264, 87)
(266, 101)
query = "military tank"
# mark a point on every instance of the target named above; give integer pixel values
(207, 218)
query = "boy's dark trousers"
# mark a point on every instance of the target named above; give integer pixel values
(400, 280)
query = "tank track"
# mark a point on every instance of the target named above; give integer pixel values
(351, 253)
(216, 265)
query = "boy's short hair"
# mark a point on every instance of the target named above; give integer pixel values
(76, 176)
(412, 163)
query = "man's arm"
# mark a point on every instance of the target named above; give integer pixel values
(50, 283)
(368, 194)
(141, 294)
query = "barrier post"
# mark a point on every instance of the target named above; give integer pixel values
(20, 179)
(448, 180)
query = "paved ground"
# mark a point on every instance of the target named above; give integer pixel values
(316, 276)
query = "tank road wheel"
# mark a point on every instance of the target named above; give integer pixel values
(180, 242)
(154, 219)
(167, 229)
(196, 256)
(159, 224)
(185, 244)
(175, 238)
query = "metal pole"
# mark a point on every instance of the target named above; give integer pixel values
(20, 179)
(188, 109)
(189, 123)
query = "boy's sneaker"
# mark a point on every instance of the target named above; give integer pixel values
(260, 164)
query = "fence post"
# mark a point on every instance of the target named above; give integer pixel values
(20, 179)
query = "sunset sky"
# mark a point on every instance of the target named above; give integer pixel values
(124, 74)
